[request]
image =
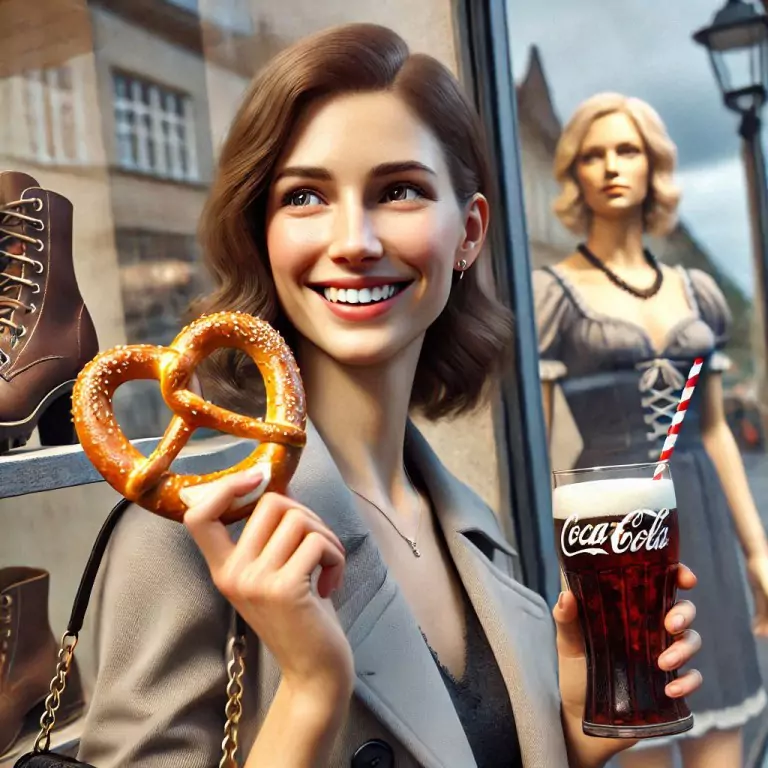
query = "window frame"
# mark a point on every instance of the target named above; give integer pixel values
(187, 170)
(50, 127)
(521, 439)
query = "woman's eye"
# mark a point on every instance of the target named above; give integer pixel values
(590, 157)
(403, 193)
(629, 151)
(301, 198)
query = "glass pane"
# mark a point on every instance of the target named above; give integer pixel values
(128, 129)
(637, 190)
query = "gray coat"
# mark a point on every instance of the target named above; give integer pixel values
(163, 629)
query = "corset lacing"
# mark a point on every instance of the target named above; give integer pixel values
(661, 385)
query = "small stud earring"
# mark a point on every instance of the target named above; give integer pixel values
(461, 265)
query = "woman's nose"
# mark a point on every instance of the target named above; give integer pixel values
(611, 164)
(354, 236)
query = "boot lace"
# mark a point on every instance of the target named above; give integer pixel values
(6, 601)
(13, 214)
(661, 385)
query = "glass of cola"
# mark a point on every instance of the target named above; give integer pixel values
(618, 544)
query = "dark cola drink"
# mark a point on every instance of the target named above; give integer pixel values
(618, 544)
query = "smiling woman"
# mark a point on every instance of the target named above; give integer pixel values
(407, 186)
(381, 214)
(349, 209)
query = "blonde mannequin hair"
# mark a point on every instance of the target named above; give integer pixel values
(660, 207)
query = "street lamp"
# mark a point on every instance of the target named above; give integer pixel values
(737, 42)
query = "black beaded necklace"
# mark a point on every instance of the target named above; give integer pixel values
(640, 293)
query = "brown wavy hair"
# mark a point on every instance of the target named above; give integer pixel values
(467, 341)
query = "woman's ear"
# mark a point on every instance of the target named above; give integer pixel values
(476, 218)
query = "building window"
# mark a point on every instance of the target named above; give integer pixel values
(50, 128)
(155, 129)
(229, 15)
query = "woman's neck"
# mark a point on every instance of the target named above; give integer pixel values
(361, 413)
(618, 242)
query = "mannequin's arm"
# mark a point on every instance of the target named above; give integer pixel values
(722, 448)
(547, 397)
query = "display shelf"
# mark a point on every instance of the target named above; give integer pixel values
(48, 469)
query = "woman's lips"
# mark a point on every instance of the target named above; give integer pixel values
(361, 303)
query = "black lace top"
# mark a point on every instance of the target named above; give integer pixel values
(482, 701)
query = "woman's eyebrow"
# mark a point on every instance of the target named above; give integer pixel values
(387, 169)
(304, 172)
(323, 174)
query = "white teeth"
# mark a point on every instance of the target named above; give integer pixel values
(359, 296)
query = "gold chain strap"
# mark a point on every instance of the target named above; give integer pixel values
(233, 711)
(58, 684)
(234, 708)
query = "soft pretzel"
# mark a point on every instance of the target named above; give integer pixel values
(148, 481)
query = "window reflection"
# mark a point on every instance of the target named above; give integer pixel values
(712, 242)
(155, 129)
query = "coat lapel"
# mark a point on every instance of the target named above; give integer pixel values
(515, 620)
(397, 678)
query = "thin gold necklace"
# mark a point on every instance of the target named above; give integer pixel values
(411, 542)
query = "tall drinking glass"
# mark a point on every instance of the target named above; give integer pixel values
(618, 543)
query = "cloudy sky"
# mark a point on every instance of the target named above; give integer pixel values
(644, 48)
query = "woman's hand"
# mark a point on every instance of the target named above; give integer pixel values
(757, 572)
(268, 576)
(586, 751)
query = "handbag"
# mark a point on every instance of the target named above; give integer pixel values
(41, 755)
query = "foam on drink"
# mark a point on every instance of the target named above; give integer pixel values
(613, 497)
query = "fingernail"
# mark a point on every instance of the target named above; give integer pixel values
(677, 623)
(673, 689)
(255, 473)
(560, 600)
(261, 474)
(670, 659)
(194, 495)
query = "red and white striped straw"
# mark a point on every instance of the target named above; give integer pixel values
(677, 420)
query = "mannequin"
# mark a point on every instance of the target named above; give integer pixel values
(619, 329)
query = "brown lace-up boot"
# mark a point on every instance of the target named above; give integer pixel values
(28, 656)
(46, 332)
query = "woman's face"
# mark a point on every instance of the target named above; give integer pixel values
(612, 167)
(364, 229)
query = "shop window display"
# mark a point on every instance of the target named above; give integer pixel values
(610, 402)
(124, 123)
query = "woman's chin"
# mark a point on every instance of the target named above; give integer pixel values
(372, 353)
(363, 358)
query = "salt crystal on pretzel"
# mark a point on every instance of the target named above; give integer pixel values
(148, 481)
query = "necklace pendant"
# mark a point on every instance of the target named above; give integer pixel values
(416, 551)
